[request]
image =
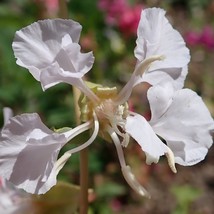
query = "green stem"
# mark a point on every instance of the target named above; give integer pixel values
(84, 181)
(63, 13)
(83, 162)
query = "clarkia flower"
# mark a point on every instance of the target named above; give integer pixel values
(181, 119)
(49, 49)
(29, 150)
(157, 37)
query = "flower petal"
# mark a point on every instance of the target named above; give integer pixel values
(37, 44)
(176, 76)
(52, 45)
(186, 126)
(67, 68)
(54, 75)
(82, 62)
(13, 200)
(161, 52)
(157, 37)
(141, 131)
(160, 98)
(28, 152)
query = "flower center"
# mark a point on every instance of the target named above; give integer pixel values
(107, 111)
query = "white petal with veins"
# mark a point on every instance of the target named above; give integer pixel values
(142, 132)
(156, 36)
(185, 123)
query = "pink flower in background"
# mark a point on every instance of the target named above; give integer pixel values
(192, 38)
(112, 5)
(129, 20)
(51, 6)
(207, 37)
(120, 13)
(113, 9)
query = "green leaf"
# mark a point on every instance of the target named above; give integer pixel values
(110, 189)
(185, 195)
(63, 198)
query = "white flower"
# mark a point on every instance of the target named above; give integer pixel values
(157, 37)
(183, 120)
(161, 53)
(49, 49)
(32, 150)
(29, 150)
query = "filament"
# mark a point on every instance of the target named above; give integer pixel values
(135, 79)
(63, 159)
(126, 170)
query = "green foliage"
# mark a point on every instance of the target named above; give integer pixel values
(63, 198)
(184, 195)
(106, 194)
(110, 189)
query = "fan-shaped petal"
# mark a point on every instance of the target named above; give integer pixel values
(142, 132)
(52, 44)
(186, 125)
(156, 36)
(28, 152)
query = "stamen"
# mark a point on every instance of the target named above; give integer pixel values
(92, 138)
(131, 180)
(126, 139)
(114, 123)
(171, 159)
(77, 130)
(134, 80)
(63, 159)
(88, 92)
(128, 175)
(144, 65)
(114, 126)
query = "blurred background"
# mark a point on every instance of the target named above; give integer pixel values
(109, 30)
